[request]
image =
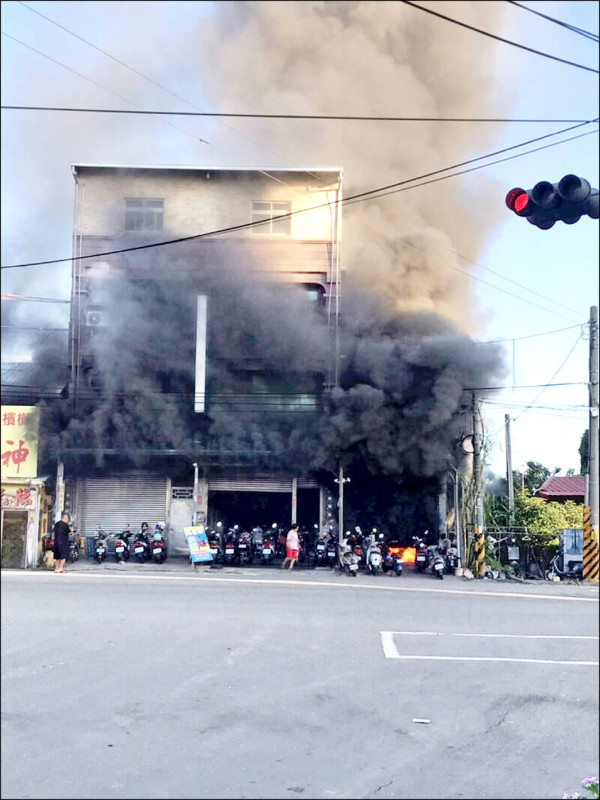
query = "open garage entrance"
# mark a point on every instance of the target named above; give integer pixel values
(249, 508)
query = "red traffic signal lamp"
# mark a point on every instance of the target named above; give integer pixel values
(568, 200)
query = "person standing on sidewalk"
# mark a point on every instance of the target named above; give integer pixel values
(62, 529)
(292, 546)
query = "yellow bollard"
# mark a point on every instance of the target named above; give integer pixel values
(590, 548)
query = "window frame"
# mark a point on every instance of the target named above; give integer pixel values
(272, 228)
(146, 213)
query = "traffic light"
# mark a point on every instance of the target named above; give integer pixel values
(568, 200)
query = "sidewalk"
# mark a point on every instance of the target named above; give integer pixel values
(180, 566)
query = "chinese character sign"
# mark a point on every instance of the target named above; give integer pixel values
(20, 426)
(198, 543)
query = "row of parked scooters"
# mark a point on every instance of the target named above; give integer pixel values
(143, 546)
(369, 552)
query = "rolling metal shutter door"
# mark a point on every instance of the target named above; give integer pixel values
(113, 504)
(258, 484)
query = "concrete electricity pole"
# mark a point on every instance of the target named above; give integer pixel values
(593, 419)
(591, 565)
(478, 533)
(509, 475)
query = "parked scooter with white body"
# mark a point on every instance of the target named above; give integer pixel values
(374, 556)
(122, 547)
(348, 558)
(437, 563)
(101, 550)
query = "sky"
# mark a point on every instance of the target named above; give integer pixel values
(451, 247)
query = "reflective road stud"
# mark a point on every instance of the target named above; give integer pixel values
(590, 548)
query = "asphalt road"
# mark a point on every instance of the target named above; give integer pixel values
(147, 683)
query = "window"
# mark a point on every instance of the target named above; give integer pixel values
(143, 214)
(267, 210)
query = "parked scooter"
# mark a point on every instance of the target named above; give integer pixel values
(321, 552)
(421, 553)
(348, 557)
(141, 544)
(159, 545)
(73, 546)
(436, 562)
(101, 550)
(257, 542)
(245, 549)
(268, 546)
(392, 560)
(374, 556)
(230, 546)
(122, 546)
(572, 572)
(214, 542)
(350, 563)
(331, 552)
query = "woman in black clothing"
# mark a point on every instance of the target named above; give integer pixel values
(62, 529)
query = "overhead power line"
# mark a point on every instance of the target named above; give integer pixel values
(593, 36)
(28, 328)
(19, 297)
(347, 117)
(152, 81)
(499, 38)
(369, 194)
(537, 397)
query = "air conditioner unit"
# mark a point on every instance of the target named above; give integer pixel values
(94, 319)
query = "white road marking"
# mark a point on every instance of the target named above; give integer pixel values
(490, 635)
(391, 651)
(202, 577)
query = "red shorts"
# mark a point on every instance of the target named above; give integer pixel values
(289, 553)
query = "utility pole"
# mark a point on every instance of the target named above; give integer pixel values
(341, 481)
(593, 420)
(478, 533)
(509, 476)
(591, 561)
(59, 502)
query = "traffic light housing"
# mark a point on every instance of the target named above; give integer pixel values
(568, 200)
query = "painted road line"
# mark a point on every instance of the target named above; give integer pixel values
(391, 651)
(203, 578)
(491, 635)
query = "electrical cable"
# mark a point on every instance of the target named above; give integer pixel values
(325, 117)
(344, 201)
(28, 328)
(18, 297)
(532, 335)
(593, 36)
(150, 80)
(551, 379)
(499, 38)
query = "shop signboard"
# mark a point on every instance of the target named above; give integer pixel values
(20, 427)
(198, 544)
(18, 498)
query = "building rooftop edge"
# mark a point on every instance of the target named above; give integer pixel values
(86, 165)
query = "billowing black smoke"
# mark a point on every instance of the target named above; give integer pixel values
(393, 421)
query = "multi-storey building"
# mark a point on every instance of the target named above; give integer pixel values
(277, 226)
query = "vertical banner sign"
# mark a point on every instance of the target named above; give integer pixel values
(20, 429)
(200, 354)
(198, 544)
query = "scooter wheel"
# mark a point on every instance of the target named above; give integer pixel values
(140, 559)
